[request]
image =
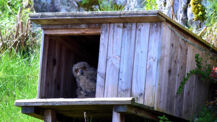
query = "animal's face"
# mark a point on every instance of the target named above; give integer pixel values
(80, 68)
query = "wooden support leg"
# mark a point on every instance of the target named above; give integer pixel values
(117, 117)
(49, 116)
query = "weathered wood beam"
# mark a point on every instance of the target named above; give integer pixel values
(76, 31)
(136, 111)
(95, 17)
(32, 111)
(75, 101)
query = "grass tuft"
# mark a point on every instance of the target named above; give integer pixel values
(18, 80)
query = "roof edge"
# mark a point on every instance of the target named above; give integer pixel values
(99, 17)
(213, 48)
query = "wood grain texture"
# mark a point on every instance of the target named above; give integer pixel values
(190, 84)
(96, 17)
(140, 61)
(43, 68)
(127, 59)
(70, 26)
(152, 64)
(173, 59)
(101, 71)
(113, 60)
(164, 67)
(41, 65)
(49, 116)
(135, 111)
(73, 31)
(180, 74)
(74, 101)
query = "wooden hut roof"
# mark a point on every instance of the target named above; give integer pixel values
(99, 17)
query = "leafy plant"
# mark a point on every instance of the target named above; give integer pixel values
(163, 119)
(211, 12)
(198, 10)
(203, 72)
(150, 5)
(210, 34)
(205, 116)
(99, 5)
(15, 28)
(110, 6)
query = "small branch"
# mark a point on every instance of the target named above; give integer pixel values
(204, 29)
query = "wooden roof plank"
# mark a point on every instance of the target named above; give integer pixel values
(99, 17)
(74, 101)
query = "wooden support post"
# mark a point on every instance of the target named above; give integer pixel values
(117, 117)
(49, 116)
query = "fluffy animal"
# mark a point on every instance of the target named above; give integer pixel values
(85, 79)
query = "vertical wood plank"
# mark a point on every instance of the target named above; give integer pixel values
(39, 90)
(152, 63)
(49, 84)
(127, 58)
(101, 71)
(43, 67)
(56, 68)
(163, 68)
(140, 60)
(49, 116)
(190, 84)
(67, 84)
(113, 60)
(180, 74)
(173, 59)
(117, 117)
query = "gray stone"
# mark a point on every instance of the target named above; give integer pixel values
(56, 5)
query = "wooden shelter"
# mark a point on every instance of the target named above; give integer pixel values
(141, 58)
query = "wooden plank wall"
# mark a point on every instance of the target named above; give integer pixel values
(126, 51)
(177, 59)
(148, 61)
(56, 79)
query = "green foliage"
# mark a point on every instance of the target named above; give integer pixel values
(9, 10)
(150, 5)
(100, 5)
(210, 34)
(109, 6)
(198, 10)
(163, 119)
(18, 80)
(203, 72)
(15, 29)
(88, 5)
(211, 13)
(205, 116)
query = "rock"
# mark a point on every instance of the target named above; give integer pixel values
(56, 5)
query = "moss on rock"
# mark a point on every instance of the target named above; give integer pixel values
(198, 10)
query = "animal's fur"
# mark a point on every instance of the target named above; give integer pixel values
(85, 79)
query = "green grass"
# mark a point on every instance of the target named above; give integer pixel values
(18, 80)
